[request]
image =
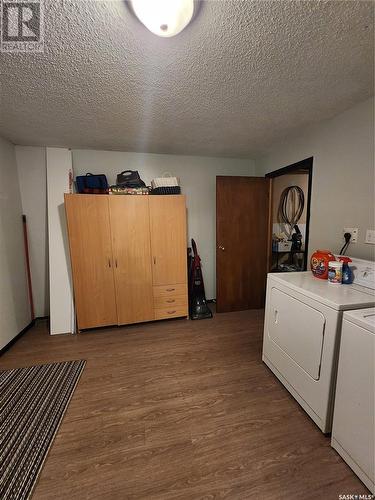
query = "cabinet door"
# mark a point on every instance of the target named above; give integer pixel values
(130, 225)
(91, 256)
(168, 239)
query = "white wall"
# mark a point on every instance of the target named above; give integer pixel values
(14, 301)
(59, 173)
(343, 176)
(198, 180)
(31, 165)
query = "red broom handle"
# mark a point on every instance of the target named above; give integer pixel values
(27, 255)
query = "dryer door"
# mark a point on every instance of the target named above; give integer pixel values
(298, 330)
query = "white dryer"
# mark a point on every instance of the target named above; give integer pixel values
(353, 431)
(302, 332)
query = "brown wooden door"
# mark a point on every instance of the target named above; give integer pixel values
(130, 225)
(241, 253)
(91, 258)
(168, 239)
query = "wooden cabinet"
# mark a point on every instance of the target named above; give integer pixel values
(128, 258)
(92, 260)
(168, 239)
(130, 226)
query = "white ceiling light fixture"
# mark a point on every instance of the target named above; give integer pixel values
(164, 18)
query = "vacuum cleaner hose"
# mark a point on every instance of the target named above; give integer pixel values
(292, 204)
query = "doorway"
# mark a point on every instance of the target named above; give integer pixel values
(290, 197)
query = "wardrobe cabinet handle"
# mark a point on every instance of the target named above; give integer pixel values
(171, 289)
(171, 312)
(109, 262)
(154, 261)
(116, 262)
(170, 301)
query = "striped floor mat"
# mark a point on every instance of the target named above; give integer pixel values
(33, 401)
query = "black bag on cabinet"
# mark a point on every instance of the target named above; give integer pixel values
(130, 179)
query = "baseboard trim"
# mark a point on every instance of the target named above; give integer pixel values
(17, 337)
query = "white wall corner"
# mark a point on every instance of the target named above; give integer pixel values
(59, 181)
(31, 167)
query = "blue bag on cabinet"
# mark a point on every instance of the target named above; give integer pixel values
(92, 184)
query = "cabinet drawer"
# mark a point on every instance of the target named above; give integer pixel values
(170, 302)
(168, 290)
(171, 312)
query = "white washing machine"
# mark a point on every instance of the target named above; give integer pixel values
(353, 427)
(302, 332)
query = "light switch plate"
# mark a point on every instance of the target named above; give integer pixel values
(370, 236)
(353, 231)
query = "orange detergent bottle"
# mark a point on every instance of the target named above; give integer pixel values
(319, 263)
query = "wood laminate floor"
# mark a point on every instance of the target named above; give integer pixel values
(181, 410)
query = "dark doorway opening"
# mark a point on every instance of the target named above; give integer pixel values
(289, 217)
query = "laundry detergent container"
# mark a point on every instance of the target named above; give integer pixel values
(319, 263)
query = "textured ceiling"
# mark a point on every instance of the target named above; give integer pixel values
(243, 75)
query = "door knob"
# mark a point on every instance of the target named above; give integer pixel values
(221, 248)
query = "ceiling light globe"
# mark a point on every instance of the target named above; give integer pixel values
(164, 18)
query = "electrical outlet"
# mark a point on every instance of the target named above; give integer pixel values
(370, 236)
(353, 231)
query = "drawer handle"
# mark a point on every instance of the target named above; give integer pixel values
(171, 289)
(170, 301)
(171, 312)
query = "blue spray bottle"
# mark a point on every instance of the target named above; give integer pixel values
(347, 273)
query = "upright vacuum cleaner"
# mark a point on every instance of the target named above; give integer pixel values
(198, 308)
